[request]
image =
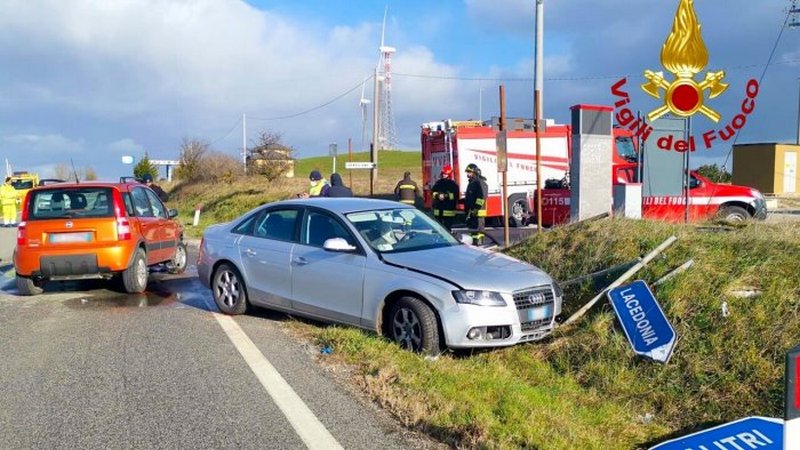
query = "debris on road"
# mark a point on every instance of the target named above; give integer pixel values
(678, 270)
(746, 292)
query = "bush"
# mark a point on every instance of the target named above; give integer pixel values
(200, 164)
(218, 167)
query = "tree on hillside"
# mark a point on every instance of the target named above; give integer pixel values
(192, 153)
(143, 167)
(270, 157)
(715, 173)
(62, 171)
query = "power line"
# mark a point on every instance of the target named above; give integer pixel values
(577, 78)
(760, 80)
(228, 133)
(289, 116)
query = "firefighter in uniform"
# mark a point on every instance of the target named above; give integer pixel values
(445, 197)
(475, 203)
(406, 190)
(8, 202)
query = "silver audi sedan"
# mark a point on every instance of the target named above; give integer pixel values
(378, 265)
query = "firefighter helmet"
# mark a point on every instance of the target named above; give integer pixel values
(447, 171)
(472, 167)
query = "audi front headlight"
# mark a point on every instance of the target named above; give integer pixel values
(480, 298)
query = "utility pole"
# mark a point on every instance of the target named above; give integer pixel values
(244, 143)
(503, 165)
(537, 108)
(480, 104)
(376, 111)
(798, 111)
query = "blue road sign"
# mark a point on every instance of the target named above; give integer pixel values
(748, 433)
(643, 320)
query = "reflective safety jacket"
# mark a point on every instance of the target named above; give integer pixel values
(475, 197)
(8, 195)
(449, 189)
(319, 189)
(406, 191)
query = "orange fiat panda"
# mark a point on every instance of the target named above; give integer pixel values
(76, 231)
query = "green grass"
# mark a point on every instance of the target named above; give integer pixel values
(584, 388)
(390, 160)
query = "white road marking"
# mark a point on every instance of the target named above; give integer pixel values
(304, 422)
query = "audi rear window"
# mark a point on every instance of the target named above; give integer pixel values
(72, 203)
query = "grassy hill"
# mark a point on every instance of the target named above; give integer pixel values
(222, 202)
(391, 165)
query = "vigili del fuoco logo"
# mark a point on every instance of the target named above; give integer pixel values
(684, 55)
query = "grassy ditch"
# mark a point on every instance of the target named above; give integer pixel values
(584, 388)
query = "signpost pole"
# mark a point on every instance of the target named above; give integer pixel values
(350, 158)
(502, 164)
(333, 150)
(244, 143)
(686, 176)
(373, 154)
(791, 417)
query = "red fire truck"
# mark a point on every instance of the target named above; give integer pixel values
(462, 143)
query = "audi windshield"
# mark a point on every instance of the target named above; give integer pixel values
(400, 230)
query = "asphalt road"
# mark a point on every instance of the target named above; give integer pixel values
(87, 367)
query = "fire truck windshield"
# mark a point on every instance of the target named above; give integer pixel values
(625, 148)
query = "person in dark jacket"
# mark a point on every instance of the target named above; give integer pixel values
(406, 190)
(338, 189)
(445, 197)
(475, 203)
(147, 179)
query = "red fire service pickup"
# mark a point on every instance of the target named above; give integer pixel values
(462, 143)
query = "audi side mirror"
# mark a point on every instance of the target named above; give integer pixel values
(338, 245)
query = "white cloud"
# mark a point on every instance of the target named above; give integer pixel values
(47, 143)
(126, 146)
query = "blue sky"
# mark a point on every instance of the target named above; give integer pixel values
(93, 80)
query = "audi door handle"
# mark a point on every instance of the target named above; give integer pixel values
(300, 261)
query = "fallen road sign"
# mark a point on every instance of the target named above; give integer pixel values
(359, 165)
(748, 433)
(645, 325)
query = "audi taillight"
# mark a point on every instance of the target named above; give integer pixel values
(123, 225)
(21, 234)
